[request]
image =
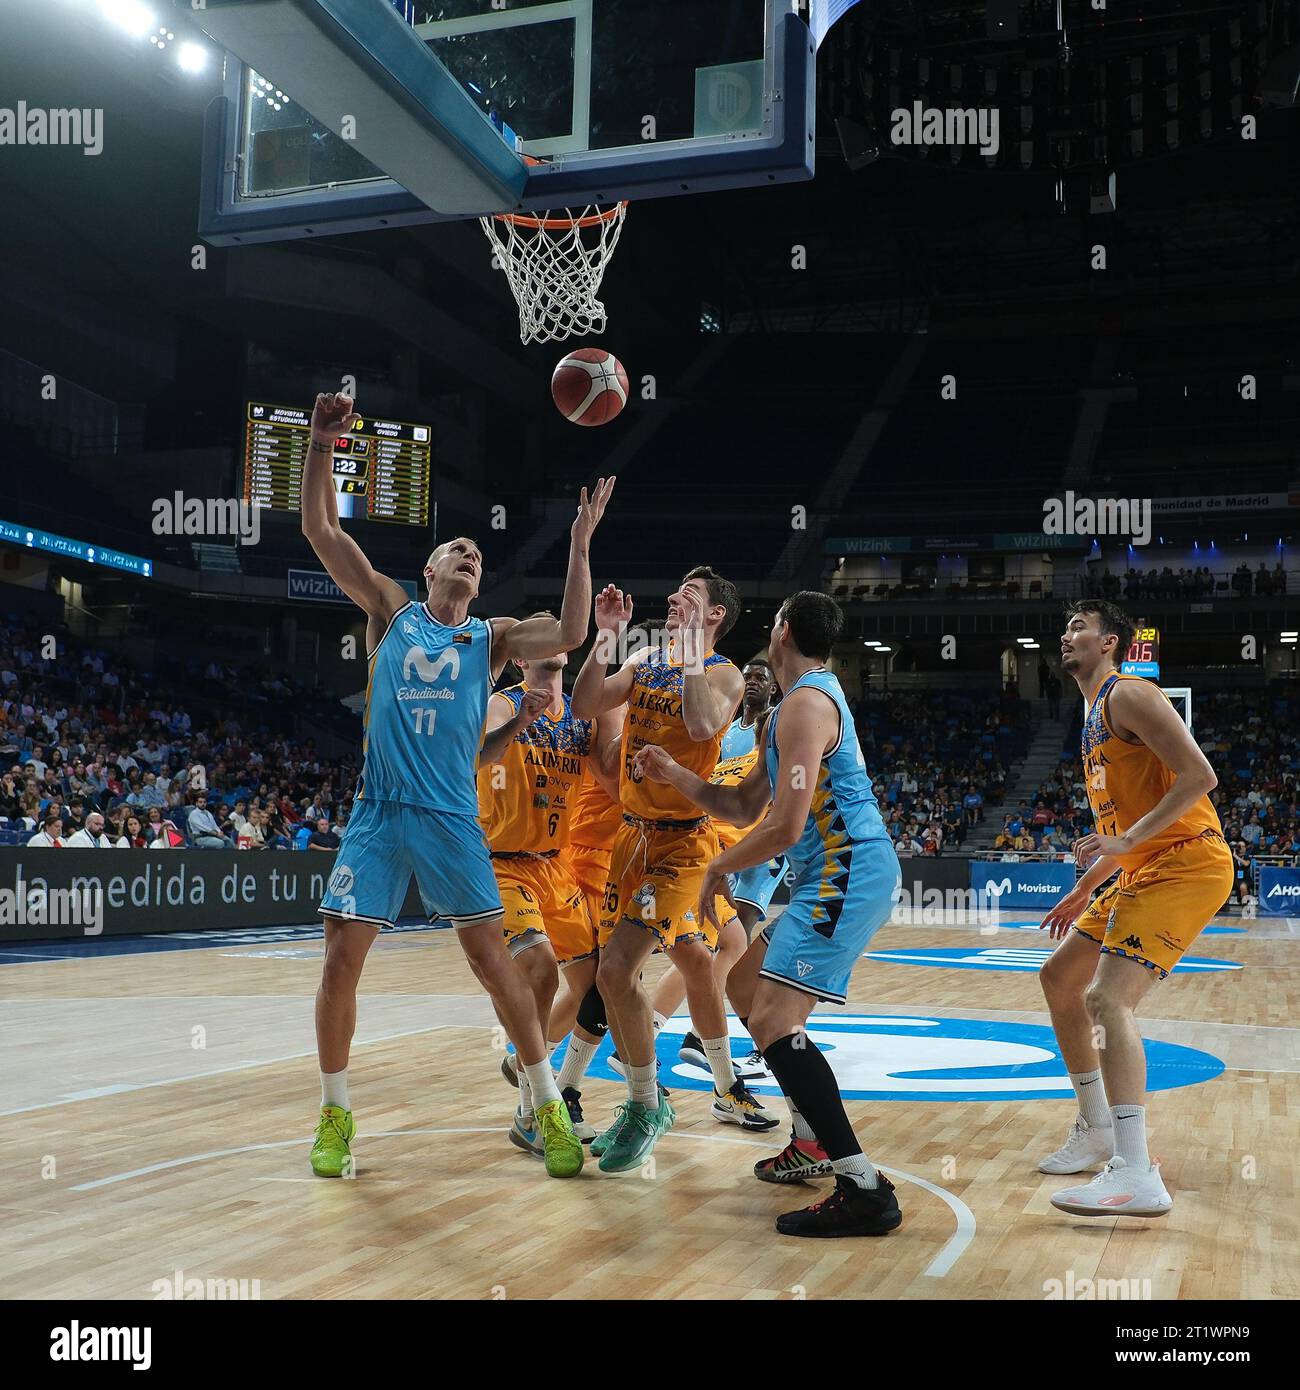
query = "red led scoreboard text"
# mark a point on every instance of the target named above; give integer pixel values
(381, 467)
(1143, 658)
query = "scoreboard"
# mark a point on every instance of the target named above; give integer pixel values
(1143, 658)
(381, 467)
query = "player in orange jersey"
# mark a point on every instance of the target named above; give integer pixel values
(1148, 785)
(681, 697)
(530, 770)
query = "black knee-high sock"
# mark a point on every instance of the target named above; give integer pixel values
(806, 1077)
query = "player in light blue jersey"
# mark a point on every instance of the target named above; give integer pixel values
(431, 672)
(824, 817)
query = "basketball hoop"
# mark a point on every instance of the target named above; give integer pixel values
(555, 262)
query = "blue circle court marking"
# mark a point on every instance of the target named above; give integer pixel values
(1013, 958)
(876, 1057)
(1037, 926)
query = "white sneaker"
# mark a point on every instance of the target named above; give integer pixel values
(1085, 1148)
(1118, 1190)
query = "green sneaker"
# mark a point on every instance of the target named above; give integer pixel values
(330, 1154)
(603, 1140)
(561, 1148)
(665, 1115)
(636, 1137)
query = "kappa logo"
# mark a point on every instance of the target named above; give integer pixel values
(1134, 943)
(920, 1058)
(417, 661)
(803, 968)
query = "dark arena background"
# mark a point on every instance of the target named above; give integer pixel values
(954, 311)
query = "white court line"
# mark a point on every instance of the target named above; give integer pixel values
(124, 1087)
(936, 1269)
(957, 1243)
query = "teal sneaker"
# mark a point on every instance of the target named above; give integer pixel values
(636, 1137)
(604, 1139)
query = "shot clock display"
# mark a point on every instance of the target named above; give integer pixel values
(1143, 658)
(381, 467)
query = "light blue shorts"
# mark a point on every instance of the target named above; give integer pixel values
(837, 905)
(386, 842)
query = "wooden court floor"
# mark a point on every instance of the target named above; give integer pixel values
(158, 1110)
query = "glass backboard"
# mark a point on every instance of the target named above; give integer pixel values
(342, 115)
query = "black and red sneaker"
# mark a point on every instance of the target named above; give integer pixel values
(800, 1160)
(849, 1211)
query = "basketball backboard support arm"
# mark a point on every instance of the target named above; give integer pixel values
(421, 110)
(365, 62)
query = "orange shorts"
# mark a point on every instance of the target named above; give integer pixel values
(590, 868)
(654, 880)
(1153, 913)
(543, 902)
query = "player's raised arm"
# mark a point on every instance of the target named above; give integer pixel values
(709, 697)
(595, 693)
(344, 560)
(535, 639)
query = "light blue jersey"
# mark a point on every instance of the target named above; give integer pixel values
(844, 809)
(846, 871)
(738, 740)
(426, 709)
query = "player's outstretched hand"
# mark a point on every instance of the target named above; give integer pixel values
(332, 416)
(1062, 916)
(613, 610)
(532, 705)
(590, 510)
(715, 884)
(653, 762)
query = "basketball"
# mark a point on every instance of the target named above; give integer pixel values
(589, 387)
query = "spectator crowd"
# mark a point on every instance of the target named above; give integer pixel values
(97, 755)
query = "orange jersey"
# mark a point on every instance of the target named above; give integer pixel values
(1126, 780)
(731, 772)
(596, 817)
(654, 715)
(526, 801)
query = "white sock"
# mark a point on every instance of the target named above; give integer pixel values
(659, 1020)
(551, 1049)
(334, 1088)
(643, 1085)
(576, 1061)
(1130, 1122)
(525, 1097)
(802, 1129)
(541, 1079)
(858, 1167)
(1091, 1093)
(718, 1051)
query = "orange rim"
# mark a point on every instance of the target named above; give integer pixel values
(559, 224)
(556, 224)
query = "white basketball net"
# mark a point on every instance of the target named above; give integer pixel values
(555, 262)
